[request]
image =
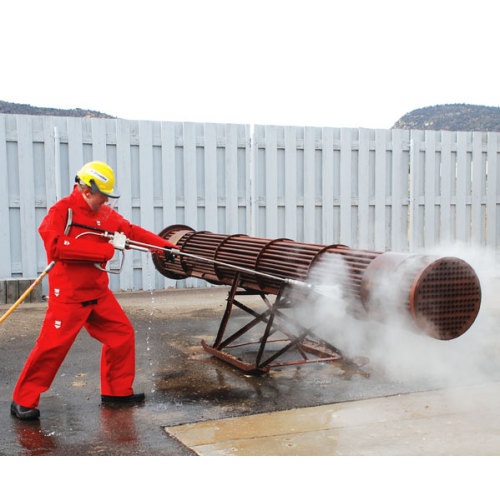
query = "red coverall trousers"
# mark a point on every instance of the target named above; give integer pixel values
(79, 297)
(106, 322)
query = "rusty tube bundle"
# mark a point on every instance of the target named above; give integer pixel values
(441, 295)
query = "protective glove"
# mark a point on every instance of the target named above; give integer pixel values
(119, 240)
(169, 256)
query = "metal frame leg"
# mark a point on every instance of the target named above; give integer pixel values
(275, 320)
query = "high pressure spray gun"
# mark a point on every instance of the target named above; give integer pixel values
(122, 243)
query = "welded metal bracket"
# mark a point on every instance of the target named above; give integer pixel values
(298, 340)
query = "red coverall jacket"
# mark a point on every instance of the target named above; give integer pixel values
(79, 296)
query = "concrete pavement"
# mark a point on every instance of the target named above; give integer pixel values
(463, 421)
(425, 399)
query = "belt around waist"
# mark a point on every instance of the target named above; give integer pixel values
(89, 303)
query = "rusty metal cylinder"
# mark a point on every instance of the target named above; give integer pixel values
(441, 296)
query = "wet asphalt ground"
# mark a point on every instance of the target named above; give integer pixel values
(183, 383)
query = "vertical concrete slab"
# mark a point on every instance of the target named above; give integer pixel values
(12, 290)
(3, 292)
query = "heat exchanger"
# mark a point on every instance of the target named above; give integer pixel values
(441, 296)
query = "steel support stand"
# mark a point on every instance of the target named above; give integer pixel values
(308, 347)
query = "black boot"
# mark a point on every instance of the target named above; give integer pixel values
(133, 398)
(23, 412)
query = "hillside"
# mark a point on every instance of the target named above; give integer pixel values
(438, 117)
(26, 109)
(452, 117)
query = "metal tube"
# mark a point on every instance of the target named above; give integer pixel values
(440, 296)
(137, 245)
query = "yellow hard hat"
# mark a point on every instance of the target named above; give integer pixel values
(99, 177)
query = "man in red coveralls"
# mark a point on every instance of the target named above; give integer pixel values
(79, 294)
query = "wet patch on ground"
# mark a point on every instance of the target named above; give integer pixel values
(182, 382)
